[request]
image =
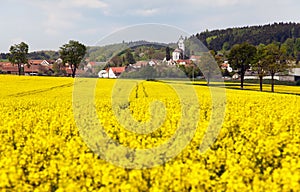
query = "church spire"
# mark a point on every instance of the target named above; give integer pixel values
(181, 45)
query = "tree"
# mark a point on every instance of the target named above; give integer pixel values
(241, 56)
(297, 49)
(190, 71)
(208, 65)
(275, 59)
(72, 53)
(168, 54)
(290, 47)
(117, 61)
(150, 52)
(297, 44)
(261, 66)
(18, 55)
(58, 67)
(225, 46)
(129, 57)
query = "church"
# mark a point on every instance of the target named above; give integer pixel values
(180, 51)
(179, 54)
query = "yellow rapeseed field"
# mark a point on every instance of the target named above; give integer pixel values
(42, 149)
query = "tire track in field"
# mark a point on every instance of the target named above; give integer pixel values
(37, 91)
(143, 91)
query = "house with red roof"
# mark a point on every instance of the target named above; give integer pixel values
(195, 58)
(184, 62)
(34, 67)
(92, 66)
(41, 62)
(111, 72)
(79, 72)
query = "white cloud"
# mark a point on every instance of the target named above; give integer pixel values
(64, 15)
(17, 40)
(84, 3)
(60, 21)
(218, 3)
(225, 2)
(146, 12)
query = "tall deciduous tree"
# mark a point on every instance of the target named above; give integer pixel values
(129, 57)
(168, 54)
(18, 55)
(208, 65)
(241, 56)
(72, 53)
(275, 58)
(297, 49)
(261, 66)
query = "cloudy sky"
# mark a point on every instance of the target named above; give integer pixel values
(48, 24)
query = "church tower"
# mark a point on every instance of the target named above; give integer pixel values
(181, 45)
(179, 53)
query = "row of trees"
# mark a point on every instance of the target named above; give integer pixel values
(71, 53)
(264, 59)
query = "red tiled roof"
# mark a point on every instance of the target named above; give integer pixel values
(141, 63)
(184, 61)
(10, 68)
(5, 63)
(32, 69)
(224, 65)
(39, 61)
(118, 69)
(195, 57)
(68, 70)
(92, 63)
(78, 71)
(35, 62)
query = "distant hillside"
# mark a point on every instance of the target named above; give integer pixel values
(224, 39)
(52, 55)
(40, 55)
(104, 53)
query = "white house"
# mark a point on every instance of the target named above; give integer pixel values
(112, 72)
(107, 74)
(295, 72)
(152, 63)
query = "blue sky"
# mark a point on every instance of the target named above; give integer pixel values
(48, 24)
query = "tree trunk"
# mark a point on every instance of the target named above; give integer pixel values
(19, 69)
(272, 82)
(261, 83)
(208, 80)
(73, 71)
(242, 80)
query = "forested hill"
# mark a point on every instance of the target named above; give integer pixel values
(52, 55)
(224, 39)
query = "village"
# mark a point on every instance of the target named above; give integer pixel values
(104, 70)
